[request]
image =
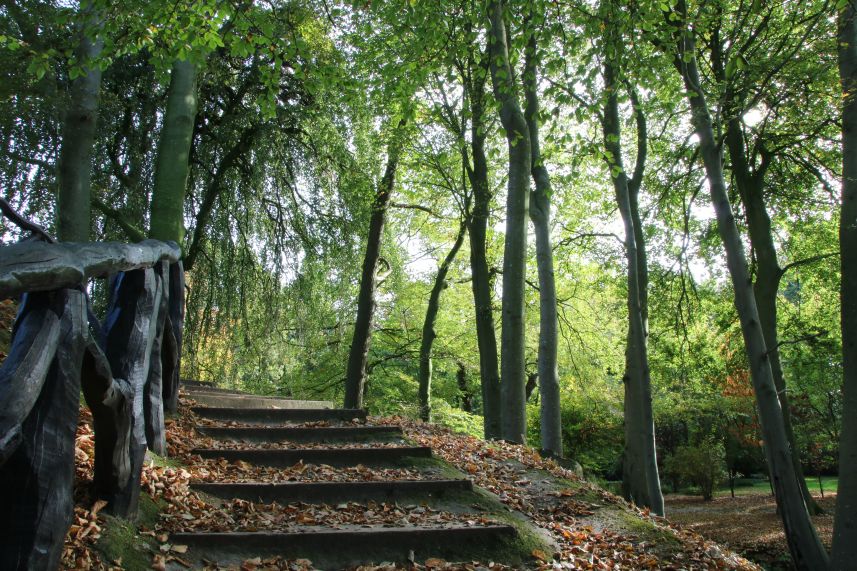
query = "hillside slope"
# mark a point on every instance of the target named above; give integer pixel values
(566, 522)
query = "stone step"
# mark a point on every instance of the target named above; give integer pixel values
(302, 433)
(331, 492)
(280, 457)
(267, 416)
(196, 389)
(338, 548)
(251, 401)
(192, 383)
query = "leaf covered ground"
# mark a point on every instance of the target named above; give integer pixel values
(584, 527)
(747, 523)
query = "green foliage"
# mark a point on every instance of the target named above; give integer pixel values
(702, 465)
(455, 419)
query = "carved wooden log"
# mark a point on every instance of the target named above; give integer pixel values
(39, 266)
(153, 404)
(171, 382)
(111, 406)
(35, 340)
(36, 481)
(129, 332)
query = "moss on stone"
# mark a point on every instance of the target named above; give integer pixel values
(121, 540)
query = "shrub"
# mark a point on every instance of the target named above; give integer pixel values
(703, 466)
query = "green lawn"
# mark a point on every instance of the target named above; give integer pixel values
(761, 486)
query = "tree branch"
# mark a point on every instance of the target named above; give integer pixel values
(21, 222)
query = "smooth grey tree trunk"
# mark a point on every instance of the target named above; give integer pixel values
(768, 274)
(355, 375)
(540, 205)
(641, 481)
(844, 553)
(512, 363)
(75, 162)
(429, 333)
(171, 166)
(486, 337)
(806, 548)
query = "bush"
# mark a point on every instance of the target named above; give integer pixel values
(703, 466)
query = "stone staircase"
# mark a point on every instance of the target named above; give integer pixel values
(274, 432)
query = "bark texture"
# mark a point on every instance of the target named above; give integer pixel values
(36, 479)
(751, 186)
(429, 334)
(171, 166)
(844, 553)
(640, 478)
(129, 331)
(486, 337)
(355, 375)
(75, 162)
(173, 356)
(540, 206)
(806, 548)
(40, 266)
(512, 363)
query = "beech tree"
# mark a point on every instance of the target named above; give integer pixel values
(640, 479)
(513, 362)
(845, 523)
(540, 215)
(806, 549)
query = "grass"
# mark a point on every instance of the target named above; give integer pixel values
(752, 486)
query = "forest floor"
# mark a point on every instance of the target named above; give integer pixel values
(578, 525)
(747, 523)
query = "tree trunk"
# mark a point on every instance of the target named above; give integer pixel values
(551, 424)
(171, 167)
(804, 544)
(512, 363)
(355, 375)
(845, 522)
(75, 162)
(466, 395)
(641, 481)
(768, 273)
(429, 334)
(486, 337)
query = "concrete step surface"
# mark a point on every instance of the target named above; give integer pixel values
(220, 400)
(339, 548)
(280, 457)
(302, 433)
(269, 416)
(332, 492)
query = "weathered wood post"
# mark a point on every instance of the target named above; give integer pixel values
(39, 398)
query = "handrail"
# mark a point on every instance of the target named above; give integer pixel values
(41, 266)
(127, 367)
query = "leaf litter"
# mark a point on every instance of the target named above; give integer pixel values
(504, 469)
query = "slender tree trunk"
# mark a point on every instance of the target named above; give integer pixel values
(806, 548)
(768, 273)
(845, 522)
(171, 167)
(466, 395)
(641, 481)
(512, 363)
(75, 163)
(429, 334)
(486, 337)
(551, 424)
(355, 376)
